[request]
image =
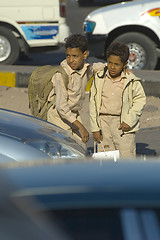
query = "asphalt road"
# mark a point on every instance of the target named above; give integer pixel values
(147, 143)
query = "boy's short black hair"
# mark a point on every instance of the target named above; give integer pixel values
(119, 49)
(76, 41)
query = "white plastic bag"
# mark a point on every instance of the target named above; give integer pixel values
(106, 155)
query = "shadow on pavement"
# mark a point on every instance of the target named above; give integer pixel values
(142, 149)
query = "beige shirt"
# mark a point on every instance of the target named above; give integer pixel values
(111, 102)
(71, 100)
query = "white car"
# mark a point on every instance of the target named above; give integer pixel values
(98, 2)
(135, 23)
(31, 26)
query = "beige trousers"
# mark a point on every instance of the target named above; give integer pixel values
(113, 138)
(54, 117)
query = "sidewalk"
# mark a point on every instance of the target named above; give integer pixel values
(147, 143)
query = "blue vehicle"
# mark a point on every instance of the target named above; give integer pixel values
(24, 137)
(83, 199)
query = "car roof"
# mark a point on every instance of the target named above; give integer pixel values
(88, 182)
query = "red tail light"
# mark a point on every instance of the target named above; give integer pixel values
(62, 8)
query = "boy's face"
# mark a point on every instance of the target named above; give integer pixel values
(75, 58)
(115, 66)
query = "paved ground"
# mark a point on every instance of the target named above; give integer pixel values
(147, 143)
(147, 139)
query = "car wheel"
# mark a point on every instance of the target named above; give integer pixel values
(9, 47)
(142, 50)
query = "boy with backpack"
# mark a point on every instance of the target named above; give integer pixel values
(116, 103)
(69, 100)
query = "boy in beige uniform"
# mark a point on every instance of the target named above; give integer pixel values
(69, 102)
(116, 104)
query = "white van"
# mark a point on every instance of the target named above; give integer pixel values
(26, 25)
(135, 23)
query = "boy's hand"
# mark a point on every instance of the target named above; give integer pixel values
(124, 127)
(97, 136)
(84, 133)
(82, 130)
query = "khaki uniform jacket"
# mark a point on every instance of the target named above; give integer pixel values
(70, 101)
(133, 102)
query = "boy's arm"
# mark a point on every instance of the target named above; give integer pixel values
(61, 99)
(98, 66)
(63, 107)
(93, 109)
(139, 101)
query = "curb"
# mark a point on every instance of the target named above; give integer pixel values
(15, 76)
(12, 79)
(18, 76)
(20, 79)
(151, 88)
(150, 80)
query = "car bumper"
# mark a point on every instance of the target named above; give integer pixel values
(97, 44)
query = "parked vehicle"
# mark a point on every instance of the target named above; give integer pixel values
(134, 23)
(23, 137)
(99, 2)
(27, 26)
(86, 199)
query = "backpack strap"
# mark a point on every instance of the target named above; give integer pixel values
(65, 77)
(48, 87)
(53, 70)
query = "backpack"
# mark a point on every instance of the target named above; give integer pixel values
(40, 86)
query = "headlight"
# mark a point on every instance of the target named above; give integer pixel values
(54, 149)
(89, 26)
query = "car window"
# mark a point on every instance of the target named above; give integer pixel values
(91, 223)
(107, 223)
(140, 223)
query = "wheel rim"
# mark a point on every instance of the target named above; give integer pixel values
(137, 58)
(5, 48)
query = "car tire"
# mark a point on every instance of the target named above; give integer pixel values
(9, 47)
(142, 50)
